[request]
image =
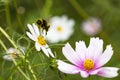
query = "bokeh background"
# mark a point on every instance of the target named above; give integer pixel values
(16, 14)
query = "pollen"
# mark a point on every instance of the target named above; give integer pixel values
(59, 28)
(88, 64)
(41, 40)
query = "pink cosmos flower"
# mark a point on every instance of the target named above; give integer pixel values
(88, 60)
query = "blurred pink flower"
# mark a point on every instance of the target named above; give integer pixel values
(91, 27)
(88, 61)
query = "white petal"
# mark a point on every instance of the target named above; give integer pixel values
(31, 29)
(45, 51)
(70, 54)
(30, 36)
(71, 23)
(81, 49)
(108, 72)
(7, 57)
(67, 68)
(37, 46)
(106, 56)
(95, 48)
(36, 29)
(84, 74)
(11, 50)
(50, 52)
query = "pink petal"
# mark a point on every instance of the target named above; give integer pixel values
(67, 68)
(108, 72)
(105, 57)
(95, 48)
(81, 49)
(94, 72)
(84, 74)
(70, 54)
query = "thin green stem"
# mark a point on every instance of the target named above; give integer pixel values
(79, 9)
(18, 17)
(2, 44)
(54, 45)
(19, 68)
(7, 12)
(40, 64)
(8, 37)
(29, 67)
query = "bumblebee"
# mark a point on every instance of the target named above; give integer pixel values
(43, 24)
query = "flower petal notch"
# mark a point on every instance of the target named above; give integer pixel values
(88, 60)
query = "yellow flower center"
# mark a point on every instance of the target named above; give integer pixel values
(88, 64)
(14, 55)
(41, 40)
(59, 28)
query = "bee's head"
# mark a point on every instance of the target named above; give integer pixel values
(39, 22)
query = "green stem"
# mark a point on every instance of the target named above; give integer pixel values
(29, 67)
(40, 64)
(19, 68)
(54, 45)
(2, 44)
(8, 37)
(18, 17)
(7, 12)
(79, 9)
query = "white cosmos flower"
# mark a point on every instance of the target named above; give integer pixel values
(88, 60)
(61, 29)
(12, 52)
(91, 27)
(40, 42)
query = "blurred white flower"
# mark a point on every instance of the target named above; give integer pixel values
(61, 29)
(12, 53)
(91, 27)
(40, 41)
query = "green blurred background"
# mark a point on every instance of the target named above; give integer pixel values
(16, 14)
